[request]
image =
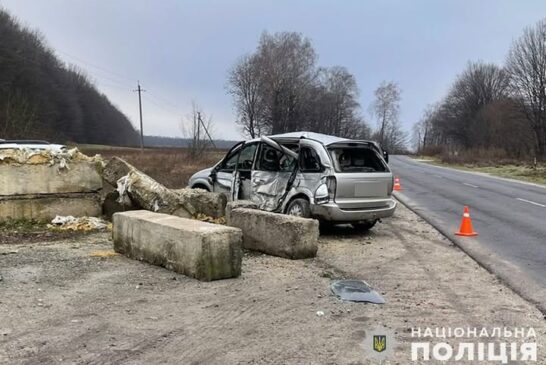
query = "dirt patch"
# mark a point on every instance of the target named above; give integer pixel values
(25, 231)
(66, 303)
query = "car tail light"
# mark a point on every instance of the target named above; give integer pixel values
(331, 183)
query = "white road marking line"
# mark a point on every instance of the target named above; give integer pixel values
(471, 185)
(531, 202)
(440, 176)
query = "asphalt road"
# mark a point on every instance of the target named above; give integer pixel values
(509, 216)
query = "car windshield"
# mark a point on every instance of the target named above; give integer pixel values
(357, 159)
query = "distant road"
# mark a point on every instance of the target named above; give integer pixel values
(510, 218)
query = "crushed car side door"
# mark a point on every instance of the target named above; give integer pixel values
(273, 171)
(222, 176)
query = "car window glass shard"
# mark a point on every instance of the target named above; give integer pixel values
(356, 291)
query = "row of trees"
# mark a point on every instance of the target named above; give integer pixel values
(279, 88)
(494, 107)
(40, 98)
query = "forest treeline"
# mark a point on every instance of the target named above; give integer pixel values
(493, 111)
(41, 98)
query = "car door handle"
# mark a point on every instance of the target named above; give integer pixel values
(259, 181)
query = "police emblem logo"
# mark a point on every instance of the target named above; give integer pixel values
(379, 343)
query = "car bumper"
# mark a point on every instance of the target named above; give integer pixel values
(332, 212)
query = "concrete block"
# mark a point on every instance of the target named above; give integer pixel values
(239, 204)
(276, 234)
(204, 202)
(46, 207)
(79, 177)
(201, 250)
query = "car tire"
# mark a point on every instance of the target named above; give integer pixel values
(364, 226)
(300, 208)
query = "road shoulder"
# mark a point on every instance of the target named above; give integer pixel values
(66, 302)
(508, 273)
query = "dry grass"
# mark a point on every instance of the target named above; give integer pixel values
(505, 168)
(171, 167)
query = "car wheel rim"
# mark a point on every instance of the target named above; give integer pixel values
(295, 210)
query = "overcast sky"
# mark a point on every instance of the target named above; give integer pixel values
(181, 50)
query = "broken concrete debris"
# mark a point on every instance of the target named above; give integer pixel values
(136, 188)
(40, 184)
(276, 234)
(111, 204)
(151, 195)
(197, 249)
(81, 224)
(204, 202)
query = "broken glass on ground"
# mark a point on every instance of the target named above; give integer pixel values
(356, 291)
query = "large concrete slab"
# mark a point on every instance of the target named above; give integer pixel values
(20, 179)
(46, 207)
(276, 234)
(204, 202)
(197, 249)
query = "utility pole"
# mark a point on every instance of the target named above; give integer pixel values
(140, 90)
(205, 128)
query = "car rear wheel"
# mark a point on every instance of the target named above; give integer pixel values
(299, 208)
(364, 226)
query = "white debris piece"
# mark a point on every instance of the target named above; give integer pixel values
(70, 223)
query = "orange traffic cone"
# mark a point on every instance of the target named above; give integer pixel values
(466, 225)
(397, 186)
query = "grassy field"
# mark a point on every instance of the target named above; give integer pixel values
(171, 167)
(524, 172)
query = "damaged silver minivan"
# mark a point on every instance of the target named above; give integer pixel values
(306, 174)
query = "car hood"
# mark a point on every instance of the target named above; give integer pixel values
(203, 174)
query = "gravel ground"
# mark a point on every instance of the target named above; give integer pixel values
(72, 301)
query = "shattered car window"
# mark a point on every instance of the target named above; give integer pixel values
(271, 159)
(246, 157)
(309, 160)
(356, 159)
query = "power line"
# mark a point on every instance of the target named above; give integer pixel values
(103, 69)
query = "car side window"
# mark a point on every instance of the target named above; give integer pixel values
(246, 157)
(309, 160)
(242, 158)
(229, 164)
(271, 159)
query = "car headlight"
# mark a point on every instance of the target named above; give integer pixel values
(322, 194)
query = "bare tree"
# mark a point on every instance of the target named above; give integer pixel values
(479, 85)
(386, 109)
(278, 88)
(198, 128)
(526, 64)
(287, 64)
(244, 85)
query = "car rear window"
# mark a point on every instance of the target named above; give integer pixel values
(357, 159)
